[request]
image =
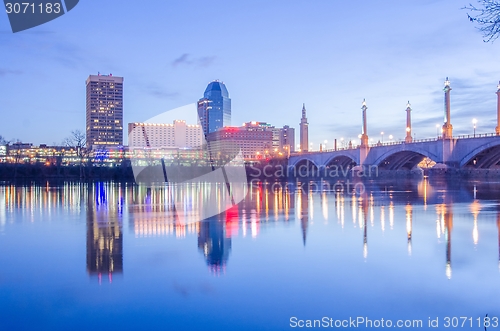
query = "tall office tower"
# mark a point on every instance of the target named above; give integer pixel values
(304, 131)
(104, 111)
(214, 109)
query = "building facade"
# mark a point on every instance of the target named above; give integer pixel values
(283, 139)
(155, 135)
(104, 115)
(253, 143)
(214, 109)
(287, 138)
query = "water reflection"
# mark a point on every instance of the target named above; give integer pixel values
(215, 243)
(104, 232)
(156, 212)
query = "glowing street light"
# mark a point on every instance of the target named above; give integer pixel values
(390, 137)
(474, 122)
(382, 134)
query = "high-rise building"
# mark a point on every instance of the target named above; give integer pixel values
(304, 131)
(104, 111)
(214, 109)
(156, 135)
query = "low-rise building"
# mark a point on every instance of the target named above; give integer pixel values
(159, 135)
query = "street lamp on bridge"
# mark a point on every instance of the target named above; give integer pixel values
(474, 122)
(382, 134)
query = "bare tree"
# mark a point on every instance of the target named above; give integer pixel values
(487, 16)
(4, 141)
(78, 141)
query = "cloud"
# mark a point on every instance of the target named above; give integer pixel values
(186, 59)
(5, 72)
(183, 59)
(160, 93)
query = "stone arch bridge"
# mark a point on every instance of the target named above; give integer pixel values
(480, 152)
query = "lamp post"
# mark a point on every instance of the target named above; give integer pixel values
(390, 138)
(342, 142)
(326, 141)
(474, 122)
(382, 134)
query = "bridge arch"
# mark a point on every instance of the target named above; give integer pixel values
(304, 167)
(484, 156)
(302, 160)
(406, 158)
(341, 160)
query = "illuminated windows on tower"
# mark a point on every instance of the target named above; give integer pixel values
(104, 120)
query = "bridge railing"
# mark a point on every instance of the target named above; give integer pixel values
(477, 135)
(400, 142)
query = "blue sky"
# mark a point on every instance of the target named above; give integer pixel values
(272, 55)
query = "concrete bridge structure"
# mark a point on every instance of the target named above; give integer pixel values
(480, 151)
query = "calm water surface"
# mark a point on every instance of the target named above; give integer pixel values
(114, 256)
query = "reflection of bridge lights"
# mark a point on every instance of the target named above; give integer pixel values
(475, 208)
(391, 215)
(475, 233)
(448, 270)
(382, 218)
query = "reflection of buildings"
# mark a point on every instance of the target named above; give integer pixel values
(447, 223)
(303, 202)
(104, 233)
(153, 213)
(214, 243)
(364, 209)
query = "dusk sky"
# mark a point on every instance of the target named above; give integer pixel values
(272, 55)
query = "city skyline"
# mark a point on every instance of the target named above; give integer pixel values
(309, 58)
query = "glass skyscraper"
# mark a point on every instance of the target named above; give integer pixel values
(214, 109)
